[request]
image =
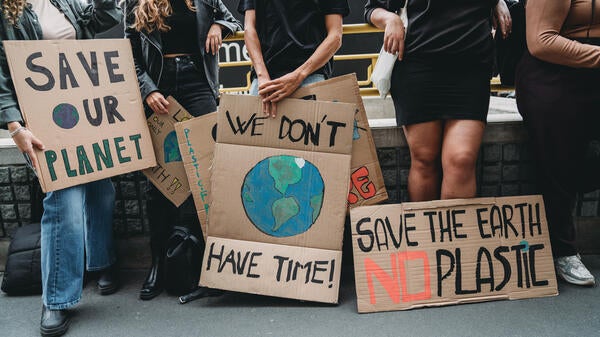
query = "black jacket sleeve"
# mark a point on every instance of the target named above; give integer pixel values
(389, 5)
(97, 17)
(9, 108)
(146, 83)
(227, 20)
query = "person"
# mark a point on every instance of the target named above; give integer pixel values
(440, 87)
(291, 44)
(76, 226)
(175, 47)
(557, 85)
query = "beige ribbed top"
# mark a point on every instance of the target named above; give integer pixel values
(551, 26)
(55, 26)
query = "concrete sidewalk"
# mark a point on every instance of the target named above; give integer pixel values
(575, 312)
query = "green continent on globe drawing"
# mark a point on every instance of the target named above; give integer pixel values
(283, 195)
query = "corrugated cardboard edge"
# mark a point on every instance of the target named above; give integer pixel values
(362, 310)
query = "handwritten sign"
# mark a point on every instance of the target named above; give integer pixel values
(449, 252)
(278, 206)
(82, 100)
(366, 181)
(168, 175)
(197, 139)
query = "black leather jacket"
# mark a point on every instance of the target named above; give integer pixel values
(147, 47)
(88, 20)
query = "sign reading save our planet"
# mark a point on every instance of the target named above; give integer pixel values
(279, 189)
(82, 100)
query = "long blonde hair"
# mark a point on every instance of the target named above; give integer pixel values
(150, 15)
(12, 10)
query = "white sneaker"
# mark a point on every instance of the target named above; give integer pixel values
(572, 270)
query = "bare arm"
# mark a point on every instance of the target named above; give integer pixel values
(284, 86)
(253, 46)
(393, 36)
(255, 52)
(545, 19)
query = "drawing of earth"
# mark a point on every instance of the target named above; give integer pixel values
(282, 195)
(171, 148)
(65, 115)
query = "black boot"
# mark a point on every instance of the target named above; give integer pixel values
(108, 282)
(54, 322)
(161, 214)
(153, 285)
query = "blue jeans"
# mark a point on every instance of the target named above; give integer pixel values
(76, 233)
(313, 78)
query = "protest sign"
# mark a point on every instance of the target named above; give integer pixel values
(278, 198)
(197, 139)
(168, 175)
(81, 99)
(366, 180)
(451, 251)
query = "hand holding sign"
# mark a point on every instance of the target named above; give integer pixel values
(276, 90)
(157, 102)
(26, 141)
(87, 110)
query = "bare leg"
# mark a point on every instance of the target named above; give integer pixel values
(424, 141)
(462, 140)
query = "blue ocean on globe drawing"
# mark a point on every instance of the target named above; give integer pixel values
(65, 115)
(283, 195)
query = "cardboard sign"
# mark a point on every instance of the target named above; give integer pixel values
(197, 139)
(81, 99)
(366, 180)
(279, 188)
(168, 175)
(436, 253)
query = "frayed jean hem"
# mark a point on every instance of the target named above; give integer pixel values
(61, 306)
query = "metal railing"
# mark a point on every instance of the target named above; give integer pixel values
(366, 86)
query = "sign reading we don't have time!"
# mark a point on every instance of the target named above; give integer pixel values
(82, 100)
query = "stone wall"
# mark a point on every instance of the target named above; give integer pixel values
(504, 168)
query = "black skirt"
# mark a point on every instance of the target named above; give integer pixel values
(425, 90)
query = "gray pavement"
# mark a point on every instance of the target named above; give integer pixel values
(575, 312)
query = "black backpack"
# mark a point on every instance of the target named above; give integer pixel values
(23, 270)
(183, 261)
(23, 273)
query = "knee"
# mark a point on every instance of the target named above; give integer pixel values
(424, 160)
(460, 163)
